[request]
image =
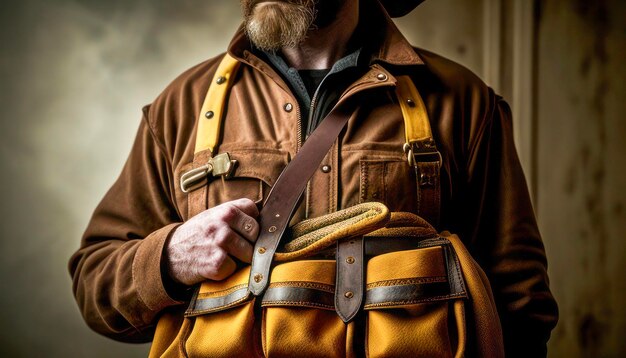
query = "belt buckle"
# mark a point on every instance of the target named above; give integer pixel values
(422, 151)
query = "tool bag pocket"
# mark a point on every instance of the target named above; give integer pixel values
(220, 321)
(299, 317)
(414, 303)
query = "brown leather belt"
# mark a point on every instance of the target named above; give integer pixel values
(432, 289)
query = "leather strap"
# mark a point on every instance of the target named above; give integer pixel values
(421, 150)
(349, 281)
(286, 192)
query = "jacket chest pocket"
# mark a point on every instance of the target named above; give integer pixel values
(389, 180)
(255, 173)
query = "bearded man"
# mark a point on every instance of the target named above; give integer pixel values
(147, 244)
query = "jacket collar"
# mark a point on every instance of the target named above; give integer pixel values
(379, 35)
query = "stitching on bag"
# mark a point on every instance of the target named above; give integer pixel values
(302, 284)
(410, 302)
(406, 281)
(296, 303)
(225, 292)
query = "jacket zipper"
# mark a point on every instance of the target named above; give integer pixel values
(349, 91)
(311, 113)
(298, 128)
(312, 107)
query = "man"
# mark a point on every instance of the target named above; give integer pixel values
(147, 244)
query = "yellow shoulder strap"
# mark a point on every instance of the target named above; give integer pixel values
(421, 150)
(208, 130)
(416, 125)
(210, 118)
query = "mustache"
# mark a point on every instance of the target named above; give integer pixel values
(248, 5)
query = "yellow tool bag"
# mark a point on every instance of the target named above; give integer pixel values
(424, 297)
(358, 282)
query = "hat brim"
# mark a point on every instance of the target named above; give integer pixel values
(399, 8)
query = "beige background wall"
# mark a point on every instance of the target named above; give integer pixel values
(75, 73)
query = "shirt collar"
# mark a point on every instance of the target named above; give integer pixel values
(293, 77)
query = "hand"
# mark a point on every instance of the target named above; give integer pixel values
(202, 247)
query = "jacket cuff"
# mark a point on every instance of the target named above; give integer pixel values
(147, 270)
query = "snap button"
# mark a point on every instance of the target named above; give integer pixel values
(350, 260)
(262, 250)
(349, 294)
(220, 80)
(326, 168)
(209, 114)
(382, 77)
(272, 229)
(288, 107)
(258, 277)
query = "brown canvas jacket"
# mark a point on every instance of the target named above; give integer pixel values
(117, 276)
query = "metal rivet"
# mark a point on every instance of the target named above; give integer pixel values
(262, 250)
(277, 215)
(349, 294)
(410, 102)
(247, 227)
(288, 107)
(272, 229)
(350, 260)
(382, 77)
(326, 168)
(220, 80)
(209, 114)
(258, 277)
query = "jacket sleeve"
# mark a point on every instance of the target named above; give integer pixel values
(504, 236)
(117, 274)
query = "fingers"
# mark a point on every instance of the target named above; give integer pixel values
(241, 220)
(224, 270)
(239, 247)
(247, 206)
(209, 242)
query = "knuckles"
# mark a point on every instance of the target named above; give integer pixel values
(217, 268)
(227, 213)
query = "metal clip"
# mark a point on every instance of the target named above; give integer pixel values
(422, 151)
(223, 166)
(220, 165)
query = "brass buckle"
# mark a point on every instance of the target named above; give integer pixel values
(422, 151)
(220, 165)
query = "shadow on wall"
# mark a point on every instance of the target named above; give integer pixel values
(75, 76)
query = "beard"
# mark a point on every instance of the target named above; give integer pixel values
(286, 23)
